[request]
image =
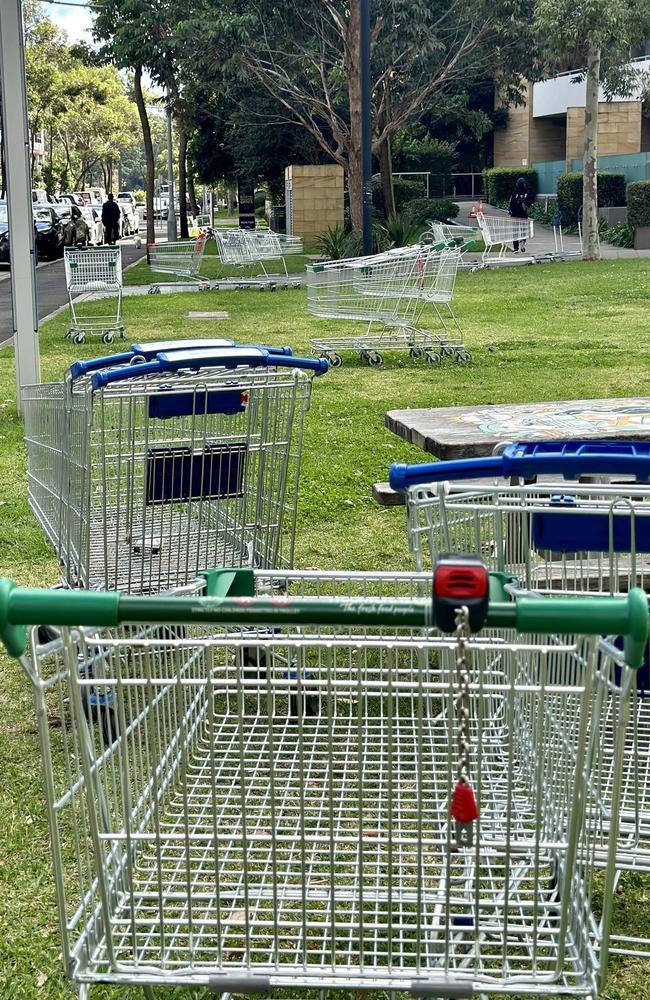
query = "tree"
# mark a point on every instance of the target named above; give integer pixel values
(47, 65)
(596, 35)
(307, 57)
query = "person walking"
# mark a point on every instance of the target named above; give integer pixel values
(520, 199)
(111, 212)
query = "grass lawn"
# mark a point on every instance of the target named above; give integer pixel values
(557, 331)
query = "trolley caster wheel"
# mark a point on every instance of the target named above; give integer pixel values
(415, 352)
(108, 338)
(433, 358)
(375, 359)
(68, 335)
(464, 357)
(364, 357)
(296, 284)
(334, 359)
(79, 338)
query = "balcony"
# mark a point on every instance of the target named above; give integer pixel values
(553, 97)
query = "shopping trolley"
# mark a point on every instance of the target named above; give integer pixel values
(47, 408)
(97, 272)
(291, 244)
(171, 464)
(557, 536)
(182, 259)
(502, 231)
(391, 291)
(464, 236)
(259, 773)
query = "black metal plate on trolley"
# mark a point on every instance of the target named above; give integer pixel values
(188, 404)
(177, 475)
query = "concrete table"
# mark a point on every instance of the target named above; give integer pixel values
(468, 431)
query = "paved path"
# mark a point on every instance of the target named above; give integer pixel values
(543, 242)
(51, 289)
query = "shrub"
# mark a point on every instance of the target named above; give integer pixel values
(611, 191)
(400, 230)
(421, 152)
(620, 234)
(260, 200)
(543, 215)
(638, 204)
(420, 210)
(499, 183)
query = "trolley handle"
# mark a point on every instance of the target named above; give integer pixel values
(148, 351)
(253, 357)
(584, 615)
(569, 459)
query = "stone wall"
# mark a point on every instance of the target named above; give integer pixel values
(619, 129)
(316, 198)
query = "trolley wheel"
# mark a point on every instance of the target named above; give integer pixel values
(364, 357)
(375, 359)
(433, 358)
(68, 335)
(79, 338)
(108, 338)
(415, 352)
(334, 359)
(297, 284)
(464, 357)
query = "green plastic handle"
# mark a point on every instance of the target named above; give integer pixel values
(230, 601)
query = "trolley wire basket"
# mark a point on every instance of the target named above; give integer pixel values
(250, 251)
(389, 292)
(48, 411)
(556, 537)
(256, 789)
(96, 272)
(171, 464)
(503, 232)
(182, 259)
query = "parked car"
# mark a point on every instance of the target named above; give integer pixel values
(4, 233)
(72, 197)
(96, 207)
(94, 222)
(41, 197)
(49, 232)
(76, 231)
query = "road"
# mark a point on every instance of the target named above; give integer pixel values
(51, 290)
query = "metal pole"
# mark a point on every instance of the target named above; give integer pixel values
(366, 124)
(19, 195)
(171, 211)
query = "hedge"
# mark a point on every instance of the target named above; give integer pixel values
(420, 210)
(611, 191)
(499, 183)
(638, 204)
(404, 189)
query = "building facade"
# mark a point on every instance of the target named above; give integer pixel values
(546, 131)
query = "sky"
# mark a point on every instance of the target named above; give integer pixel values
(75, 20)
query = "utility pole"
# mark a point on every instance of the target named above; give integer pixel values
(19, 195)
(366, 125)
(171, 211)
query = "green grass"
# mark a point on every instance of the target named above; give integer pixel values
(557, 331)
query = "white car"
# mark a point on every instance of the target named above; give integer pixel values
(94, 222)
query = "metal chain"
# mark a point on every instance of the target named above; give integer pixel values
(462, 697)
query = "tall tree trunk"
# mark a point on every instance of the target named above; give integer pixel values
(590, 238)
(385, 156)
(353, 69)
(182, 179)
(191, 191)
(386, 172)
(230, 199)
(148, 152)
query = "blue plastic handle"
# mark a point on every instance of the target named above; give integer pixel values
(149, 350)
(227, 357)
(569, 459)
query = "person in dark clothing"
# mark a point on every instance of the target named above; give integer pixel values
(111, 213)
(520, 199)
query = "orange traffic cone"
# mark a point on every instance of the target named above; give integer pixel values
(472, 214)
(480, 206)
